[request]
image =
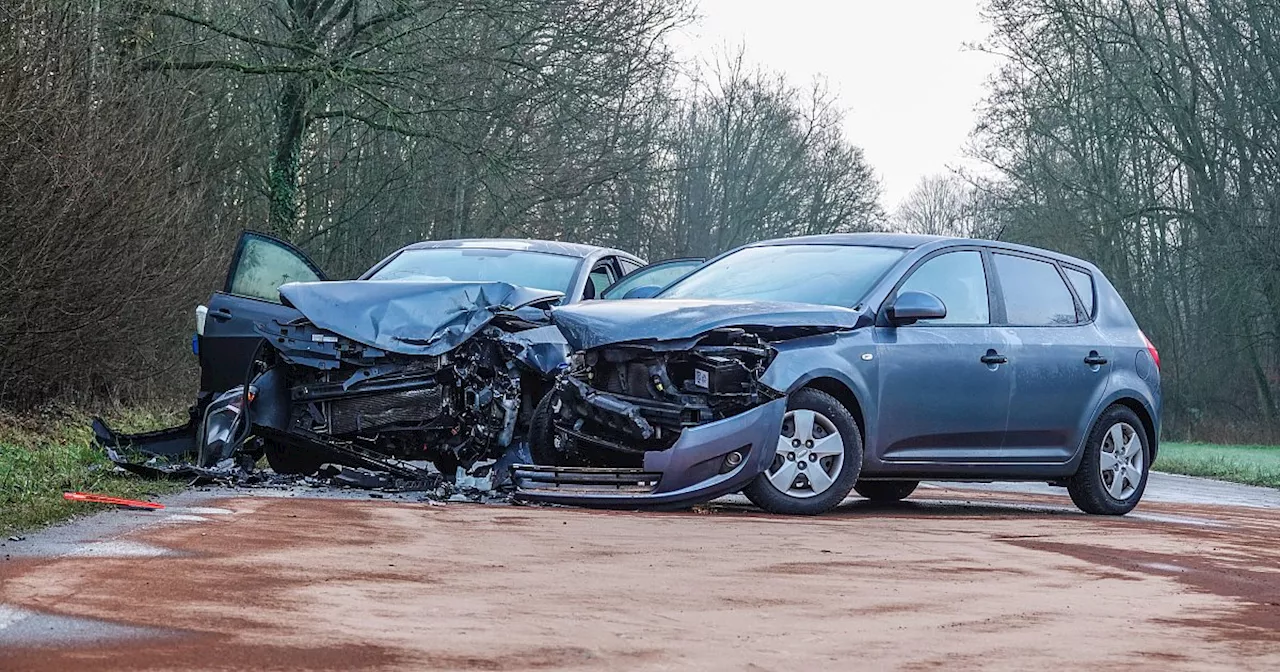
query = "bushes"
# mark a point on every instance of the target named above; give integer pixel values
(102, 256)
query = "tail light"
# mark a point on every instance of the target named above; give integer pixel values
(1151, 349)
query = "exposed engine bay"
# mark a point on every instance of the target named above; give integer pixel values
(451, 409)
(617, 402)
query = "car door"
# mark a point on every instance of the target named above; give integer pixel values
(944, 384)
(1060, 358)
(227, 339)
(656, 275)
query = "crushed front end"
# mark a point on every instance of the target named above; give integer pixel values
(334, 399)
(656, 423)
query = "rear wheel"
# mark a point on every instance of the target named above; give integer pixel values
(818, 458)
(1113, 472)
(886, 491)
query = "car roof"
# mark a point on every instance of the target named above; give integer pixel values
(911, 241)
(905, 241)
(529, 245)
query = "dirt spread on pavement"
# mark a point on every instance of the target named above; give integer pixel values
(952, 580)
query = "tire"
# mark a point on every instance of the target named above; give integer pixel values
(794, 467)
(886, 491)
(1090, 488)
(542, 432)
(285, 459)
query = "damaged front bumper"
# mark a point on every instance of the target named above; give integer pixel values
(698, 467)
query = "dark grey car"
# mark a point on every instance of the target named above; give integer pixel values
(797, 370)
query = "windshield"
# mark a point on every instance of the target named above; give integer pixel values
(833, 275)
(538, 270)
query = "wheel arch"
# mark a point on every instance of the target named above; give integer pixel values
(1148, 422)
(843, 394)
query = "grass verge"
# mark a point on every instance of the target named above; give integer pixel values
(1252, 465)
(51, 452)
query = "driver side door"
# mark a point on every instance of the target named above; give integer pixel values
(226, 337)
(945, 384)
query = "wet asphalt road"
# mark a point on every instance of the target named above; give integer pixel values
(88, 619)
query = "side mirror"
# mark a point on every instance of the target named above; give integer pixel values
(909, 307)
(642, 292)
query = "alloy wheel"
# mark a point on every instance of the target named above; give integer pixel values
(1121, 461)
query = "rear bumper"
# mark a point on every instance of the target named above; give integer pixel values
(687, 473)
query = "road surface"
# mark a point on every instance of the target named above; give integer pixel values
(959, 577)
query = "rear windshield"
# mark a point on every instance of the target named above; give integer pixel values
(834, 275)
(552, 272)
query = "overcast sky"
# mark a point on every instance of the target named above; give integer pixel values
(899, 67)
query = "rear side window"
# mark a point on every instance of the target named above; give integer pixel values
(1034, 293)
(1083, 282)
(959, 280)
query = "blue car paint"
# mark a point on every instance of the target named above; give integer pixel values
(929, 407)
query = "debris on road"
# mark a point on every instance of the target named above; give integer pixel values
(95, 498)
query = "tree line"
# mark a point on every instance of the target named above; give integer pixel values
(1144, 135)
(138, 137)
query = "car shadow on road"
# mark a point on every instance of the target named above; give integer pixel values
(933, 508)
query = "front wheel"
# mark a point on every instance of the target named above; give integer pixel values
(818, 458)
(1113, 472)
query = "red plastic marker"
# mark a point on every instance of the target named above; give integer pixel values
(105, 499)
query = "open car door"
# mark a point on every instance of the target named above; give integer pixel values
(226, 337)
(226, 342)
(651, 278)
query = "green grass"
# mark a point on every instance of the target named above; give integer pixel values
(1253, 465)
(46, 454)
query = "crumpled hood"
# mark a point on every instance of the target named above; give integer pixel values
(597, 323)
(408, 317)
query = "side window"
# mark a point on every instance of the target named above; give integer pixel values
(1083, 282)
(959, 280)
(658, 275)
(1034, 293)
(263, 265)
(628, 266)
(601, 277)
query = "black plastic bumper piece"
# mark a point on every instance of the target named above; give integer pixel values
(531, 478)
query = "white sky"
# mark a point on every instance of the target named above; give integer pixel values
(899, 67)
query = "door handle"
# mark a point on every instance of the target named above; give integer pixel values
(993, 357)
(1094, 359)
(221, 314)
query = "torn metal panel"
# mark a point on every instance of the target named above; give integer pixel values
(596, 324)
(543, 349)
(174, 441)
(407, 317)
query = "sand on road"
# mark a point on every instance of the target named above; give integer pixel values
(954, 580)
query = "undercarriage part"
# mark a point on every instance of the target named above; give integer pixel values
(347, 453)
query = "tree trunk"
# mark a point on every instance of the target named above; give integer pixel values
(286, 163)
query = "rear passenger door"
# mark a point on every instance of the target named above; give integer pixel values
(944, 386)
(1059, 357)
